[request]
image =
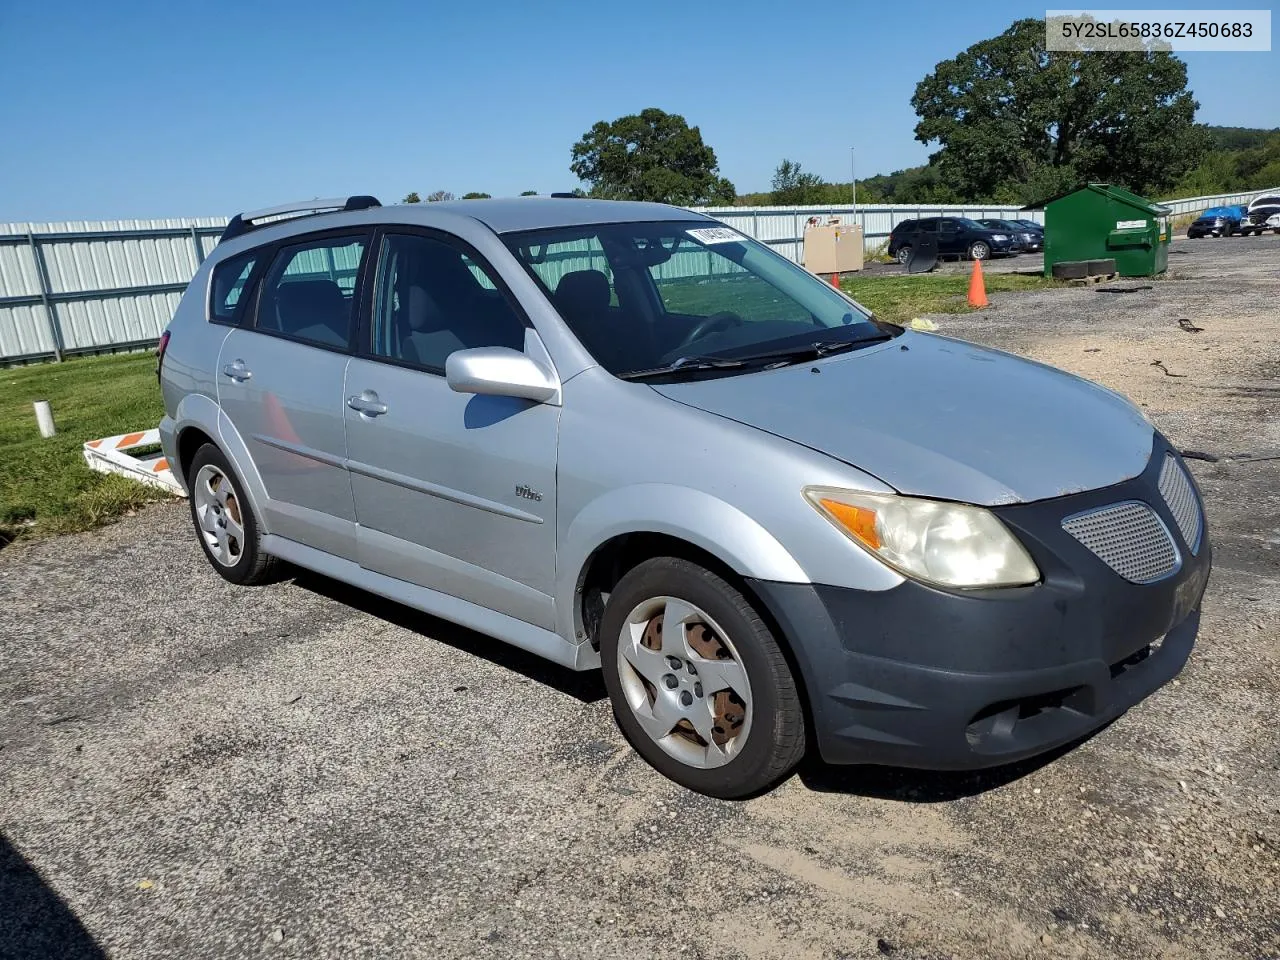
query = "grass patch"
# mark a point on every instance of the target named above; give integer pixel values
(45, 486)
(899, 298)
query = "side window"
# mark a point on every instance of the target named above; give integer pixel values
(308, 294)
(908, 226)
(227, 290)
(948, 226)
(584, 257)
(433, 299)
(928, 226)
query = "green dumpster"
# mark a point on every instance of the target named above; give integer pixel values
(1100, 221)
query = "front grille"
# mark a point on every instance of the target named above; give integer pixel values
(1175, 487)
(1129, 538)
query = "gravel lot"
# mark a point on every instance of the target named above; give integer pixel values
(196, 770)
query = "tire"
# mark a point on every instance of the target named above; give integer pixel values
(979, 250)
(218, 508)
(1100, 268)
(1071, 270)
(769, 713)
(903, 255)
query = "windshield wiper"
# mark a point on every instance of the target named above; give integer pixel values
(815, 350)
(683, 364)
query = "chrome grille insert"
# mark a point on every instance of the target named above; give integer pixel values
(1175, 487)
(1129, 538)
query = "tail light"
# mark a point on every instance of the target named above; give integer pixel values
(160, 349)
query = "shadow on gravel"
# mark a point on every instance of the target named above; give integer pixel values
(36, 923)
(925, 786)
(587, 687)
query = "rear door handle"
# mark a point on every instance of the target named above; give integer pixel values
(237, 371)
(368, 404)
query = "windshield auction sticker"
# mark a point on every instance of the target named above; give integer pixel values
(1093, 31)
(707, 235)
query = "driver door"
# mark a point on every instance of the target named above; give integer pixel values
(950, 237)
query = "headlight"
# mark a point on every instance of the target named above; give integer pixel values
(948, 544)
(998, 236)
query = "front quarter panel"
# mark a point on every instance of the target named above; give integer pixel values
(632, 461)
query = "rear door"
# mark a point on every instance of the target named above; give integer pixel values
(455, 492)
(280, 383)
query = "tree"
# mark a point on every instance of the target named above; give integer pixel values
(528, 193)
(1007, 114)
(412, 197)
(653, 155)
(476, 196)
(792, 186)
(438, 196)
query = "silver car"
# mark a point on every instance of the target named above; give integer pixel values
(626, 436)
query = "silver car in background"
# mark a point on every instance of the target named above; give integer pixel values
(625, 436)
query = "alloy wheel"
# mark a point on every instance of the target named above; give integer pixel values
(218, 515)
(684, 681)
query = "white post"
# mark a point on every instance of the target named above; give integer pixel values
(853, 172)
(44, 418)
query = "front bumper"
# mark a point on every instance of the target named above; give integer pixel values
(921, 677)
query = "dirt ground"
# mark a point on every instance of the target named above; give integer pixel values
(196, 770)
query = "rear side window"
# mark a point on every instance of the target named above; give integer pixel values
(230, 278)
(309, 292)
(907, 226)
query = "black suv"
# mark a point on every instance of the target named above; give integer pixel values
(956, 237)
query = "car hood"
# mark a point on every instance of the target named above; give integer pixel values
(936, 417)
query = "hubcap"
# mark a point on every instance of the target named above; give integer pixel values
(684, 681)
(218, 515)
(980, 251)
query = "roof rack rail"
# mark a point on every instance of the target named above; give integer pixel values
(242, 223)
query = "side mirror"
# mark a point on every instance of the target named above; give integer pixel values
(500, 372)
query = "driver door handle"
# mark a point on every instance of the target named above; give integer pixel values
(368, 404)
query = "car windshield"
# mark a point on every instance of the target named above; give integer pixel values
(970, 224)
(688, 297)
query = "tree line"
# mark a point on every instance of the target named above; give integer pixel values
(1012, 122)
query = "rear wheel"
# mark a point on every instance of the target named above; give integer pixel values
(699, 684)
(224, 521)
(904, 254)
(979, 250)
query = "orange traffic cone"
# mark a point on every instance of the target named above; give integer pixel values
(835, 280)
(977, 289)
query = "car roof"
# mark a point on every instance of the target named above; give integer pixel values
(506, 215)
(511, 214)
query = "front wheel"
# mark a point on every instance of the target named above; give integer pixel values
(700, 686)
(979, 251)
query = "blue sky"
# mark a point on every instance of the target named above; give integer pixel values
(150, 109)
